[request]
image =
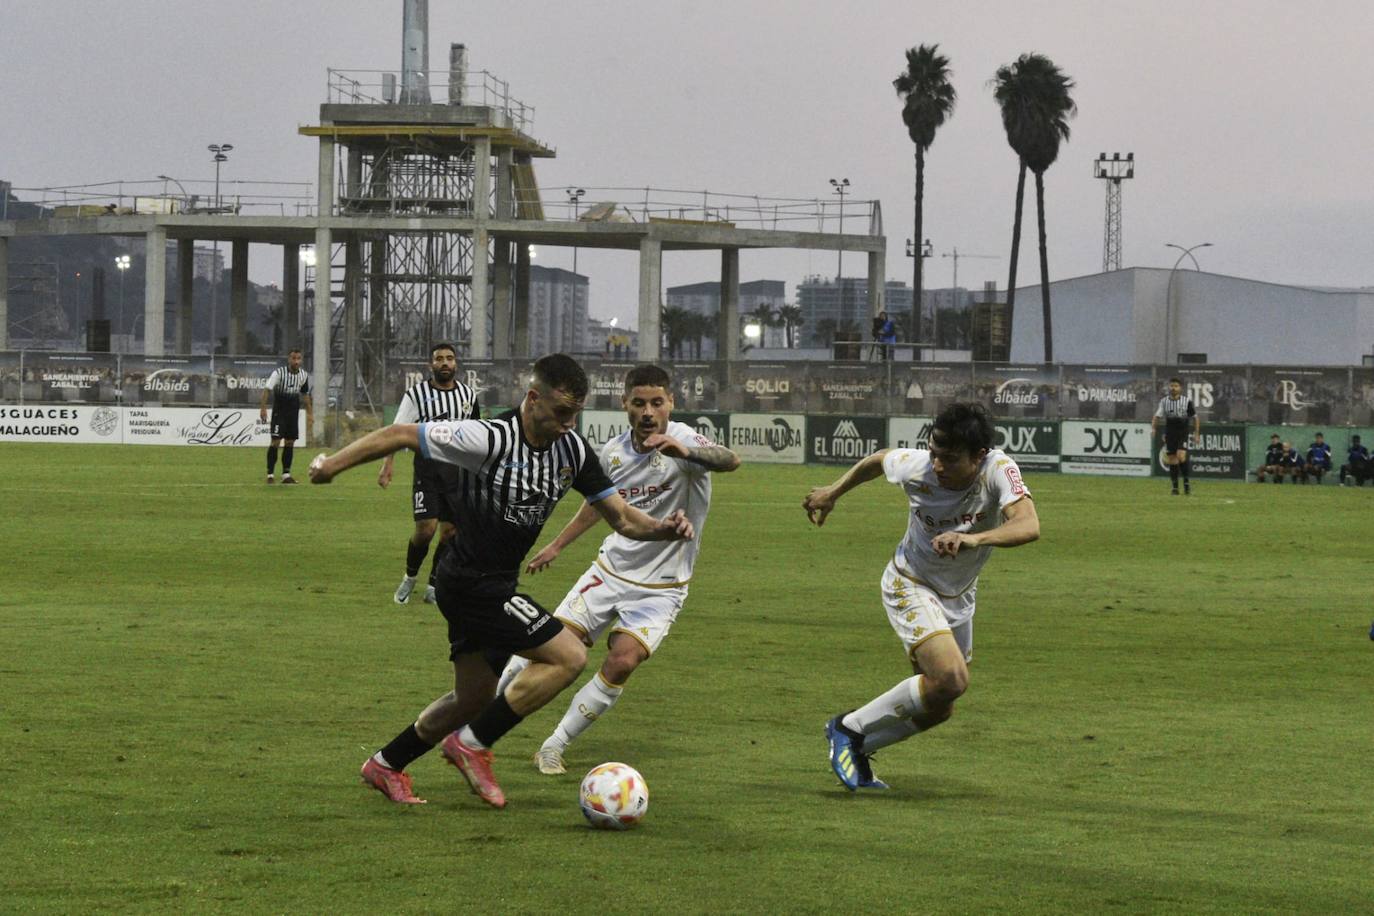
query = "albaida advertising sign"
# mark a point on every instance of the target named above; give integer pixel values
(1100, 447)
(1219, 453)
(843, 440)
(1032, 444)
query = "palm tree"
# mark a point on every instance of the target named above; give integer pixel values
(767, 318)
(674, 322)
(791, 318)
(928, 99)
(1034, 97)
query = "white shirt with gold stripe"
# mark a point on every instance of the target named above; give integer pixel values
(659, 486)
(935, 510)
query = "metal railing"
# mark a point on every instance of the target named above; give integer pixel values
(750, 211)
(383, 87)
(163, 196)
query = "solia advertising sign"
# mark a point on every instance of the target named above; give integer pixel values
(1118, 449)
(768, 438)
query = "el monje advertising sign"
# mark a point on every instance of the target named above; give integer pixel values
(843, 440)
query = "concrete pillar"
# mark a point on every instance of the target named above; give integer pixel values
(501, 301)
(377, 309)
(186, 284)
(319, 356)
(479, 336)
(877, 270)
(4, 292)
(353, 294)
(154, 290)
(505, 191)
(291, 295)
(520, 345)
(481, 184)
(238, 298)
(650, 299)
(324, 188)
(727, 332)
(353, 176)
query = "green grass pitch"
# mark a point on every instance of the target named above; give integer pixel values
(1170, 708)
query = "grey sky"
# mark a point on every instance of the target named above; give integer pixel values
(1252, 122)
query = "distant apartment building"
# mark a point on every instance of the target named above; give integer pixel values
(558, 319)
(704, 299)
(828, 306)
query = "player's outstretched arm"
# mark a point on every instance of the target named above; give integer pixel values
(1021, 525)
(711, 457)
(639, 525)
(376, 444)
(821, 500)
(585, 519)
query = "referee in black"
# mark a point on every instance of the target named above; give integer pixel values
(1178, 415)
(289, 387)
(512, 471)
(440, 397)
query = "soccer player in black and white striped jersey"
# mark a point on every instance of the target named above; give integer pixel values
(1178, 414)
(288, 387)
(440, 397)
(512, 471)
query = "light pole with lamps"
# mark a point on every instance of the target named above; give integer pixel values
(184, 196)
(221, 151)
(122, 263)
(1169, 290)
(575, 198)
(927, 251)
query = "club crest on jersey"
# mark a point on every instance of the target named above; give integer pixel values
(656, 462)
(439, 435)
(565, 476)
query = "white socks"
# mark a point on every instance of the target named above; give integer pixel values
(591, 702)
(899, 731)
(891, 708)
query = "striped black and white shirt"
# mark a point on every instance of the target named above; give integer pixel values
(506, 488)
(288, 388)
(1175, 411)
(426, 403)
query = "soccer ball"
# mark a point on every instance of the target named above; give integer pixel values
(614, 796)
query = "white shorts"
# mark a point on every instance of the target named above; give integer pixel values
(599, 600)
(918, 613)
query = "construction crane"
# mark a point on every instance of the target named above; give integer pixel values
(954, 290)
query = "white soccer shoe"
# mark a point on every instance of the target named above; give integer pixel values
(430, 597)
(404, 589)
(550, 761)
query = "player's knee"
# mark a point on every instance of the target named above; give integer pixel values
(572, 658)
(947, 686)
(424, 531)
(618, 667)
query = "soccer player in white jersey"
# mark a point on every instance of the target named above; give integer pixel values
(965, 498)
(634, 588)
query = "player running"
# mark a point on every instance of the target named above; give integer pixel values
(289, 387)
(634, 588)
(512, 471)
(965, 498)
(1176, 411)
(440, 397)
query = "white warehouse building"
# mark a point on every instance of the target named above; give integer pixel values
(1138, 316)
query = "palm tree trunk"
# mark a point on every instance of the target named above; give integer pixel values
(1044, 266)
(1015, 250)
(916, 269)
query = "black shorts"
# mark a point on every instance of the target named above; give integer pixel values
(286, 424)
(1175, 440)
(486, 614)
(431, 493)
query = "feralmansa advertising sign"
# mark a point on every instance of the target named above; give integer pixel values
(1033, 445)
(83, 423)
(1219, 453)
(769, 438)
(843, 440)
(1099, 447)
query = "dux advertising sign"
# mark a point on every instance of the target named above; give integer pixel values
(843, 440)
(601, 426)
(1120, 449)
(223, 426)
(71, 423)
(1033, 445)
(909, 432)
(1221, 453)
(768, 438)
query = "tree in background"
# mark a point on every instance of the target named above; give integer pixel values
(1035, 99)
(927, 101)
(791, 318)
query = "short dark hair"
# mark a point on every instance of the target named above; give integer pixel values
(1319, 436)
(651, 376)
(561, 371)
(1273, 435)
(964, 428)
(443, 345)
(1355, 438)
(1175, 378)
(295, 350)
